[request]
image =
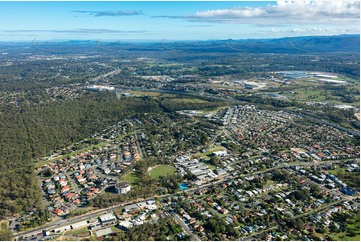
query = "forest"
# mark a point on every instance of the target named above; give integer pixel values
(29, 133)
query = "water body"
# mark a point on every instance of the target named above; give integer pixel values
(295, 74)
(183, 187)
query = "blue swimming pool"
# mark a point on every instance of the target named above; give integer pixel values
(183, 186)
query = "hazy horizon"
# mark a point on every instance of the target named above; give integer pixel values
(163, 40)
(129, 21)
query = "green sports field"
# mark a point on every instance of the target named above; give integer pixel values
(162, 170)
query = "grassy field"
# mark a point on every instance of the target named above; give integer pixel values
(190, 100)
(62, 238)
(145, 94)
(116, 230)
(131, 177)
(93, 237)
(151, 94)
(77, 231)
(306, 94)
(161, 170)
(342, 237)
(198, 155)
(212, 110)
(316, 94)
(335, 171)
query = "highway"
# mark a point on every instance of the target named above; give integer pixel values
(95, 79)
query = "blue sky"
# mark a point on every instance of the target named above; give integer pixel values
(176, 20)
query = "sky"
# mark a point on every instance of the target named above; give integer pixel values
(167, 20)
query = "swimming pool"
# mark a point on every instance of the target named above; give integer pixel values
(183, 186)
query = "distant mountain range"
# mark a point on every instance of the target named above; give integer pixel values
(290, 45)
(308, 44)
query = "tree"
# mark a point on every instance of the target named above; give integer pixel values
(333, 228)
(5, 233)
(320, 230)
(299, 223)
(215, 160)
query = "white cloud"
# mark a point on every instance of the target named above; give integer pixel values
(111, 13)
(284, 12)
(234, 13)
(310, 31)
(313, 9)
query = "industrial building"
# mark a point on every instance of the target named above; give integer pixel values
(79, 224)
(62, 229)
(107, 219)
